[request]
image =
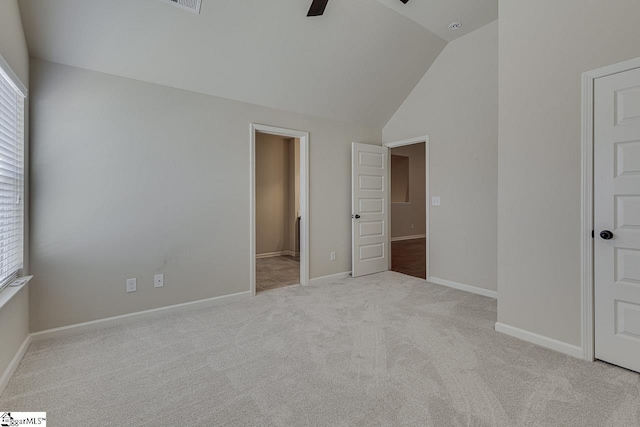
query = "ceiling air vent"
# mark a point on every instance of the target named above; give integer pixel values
(190, 5)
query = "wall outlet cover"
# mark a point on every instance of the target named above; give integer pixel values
(132, 285)
(158, 280)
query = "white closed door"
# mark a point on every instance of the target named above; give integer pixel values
(617, 219)
(369, 191)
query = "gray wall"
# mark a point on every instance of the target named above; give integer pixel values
(545, 46)
(14, 316)
(13, 46)
(405, 214)
(132, 179)
(456, 104)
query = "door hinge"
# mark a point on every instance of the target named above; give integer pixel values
(593, 234)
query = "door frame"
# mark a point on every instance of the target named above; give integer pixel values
(587, 221)
(427, 168)
(304, 199)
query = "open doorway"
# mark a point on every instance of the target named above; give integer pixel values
(277, 211)
(409, 207)
(279, 206)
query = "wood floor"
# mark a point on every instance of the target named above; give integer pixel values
(276, 272)
(410, 257)
(407, 257)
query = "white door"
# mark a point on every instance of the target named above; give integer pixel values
(369, 191)
(617, 219)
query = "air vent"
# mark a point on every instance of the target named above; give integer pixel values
(190, 5)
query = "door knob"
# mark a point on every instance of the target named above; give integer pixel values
(606, 235)
(356, 217)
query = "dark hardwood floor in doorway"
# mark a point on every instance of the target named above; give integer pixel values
(410, 257)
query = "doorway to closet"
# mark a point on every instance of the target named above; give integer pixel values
(277, 211)
(279, 205)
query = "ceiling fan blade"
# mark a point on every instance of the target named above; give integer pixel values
(317, 7)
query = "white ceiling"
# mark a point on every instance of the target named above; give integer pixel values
(436, 15)
(357, 63)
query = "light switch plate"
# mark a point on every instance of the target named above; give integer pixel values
(435, 201)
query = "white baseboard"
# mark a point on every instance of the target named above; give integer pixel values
(463, 287)
(110, 321)
(269, 255)
(417, 236)
(330, 278)
(118, 320)
(541, 340)
(275, 254)
(13, 365)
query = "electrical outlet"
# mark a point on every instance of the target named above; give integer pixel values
(158, 280)
(333, 255)
(132, 285)
(412, 226)
(435, 201)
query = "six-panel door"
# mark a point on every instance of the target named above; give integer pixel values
(370, 248)
(617, 219)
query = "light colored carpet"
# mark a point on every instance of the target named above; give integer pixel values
(381, 350)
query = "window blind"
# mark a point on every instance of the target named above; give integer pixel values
(11, 179)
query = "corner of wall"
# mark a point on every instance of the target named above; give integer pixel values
(14, 314)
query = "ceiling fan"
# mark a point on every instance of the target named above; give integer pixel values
(318, 6)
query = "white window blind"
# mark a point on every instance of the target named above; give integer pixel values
(11, 177)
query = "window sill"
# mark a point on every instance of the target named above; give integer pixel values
(9, 292)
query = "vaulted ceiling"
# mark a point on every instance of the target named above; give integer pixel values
(437, 15)
(356, 63)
